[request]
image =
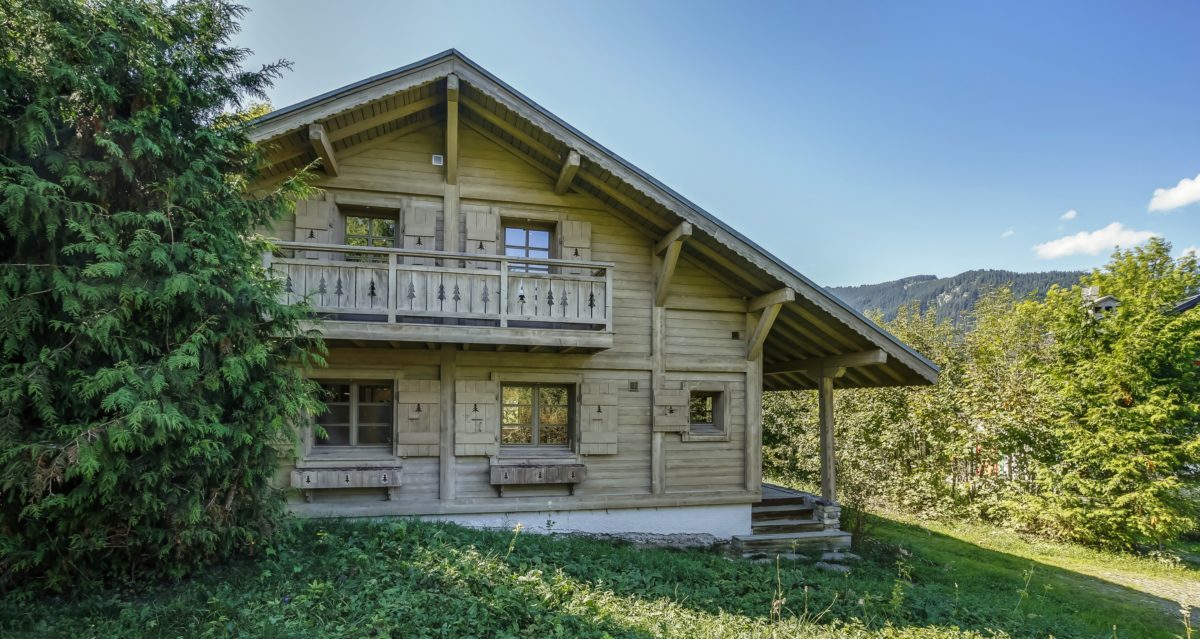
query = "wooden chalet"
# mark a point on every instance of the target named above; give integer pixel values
(525, 327)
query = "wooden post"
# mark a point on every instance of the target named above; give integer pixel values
(658, 355)
(392, 294)
(825, 416)
(754, 424)
(449, 376)
(451, 129)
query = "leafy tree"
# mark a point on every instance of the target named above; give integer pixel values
(146, 366)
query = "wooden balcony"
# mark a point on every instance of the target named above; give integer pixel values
(403, 295)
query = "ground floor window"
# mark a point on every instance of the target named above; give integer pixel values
(536, 414)
(356, 414)
(705, 413)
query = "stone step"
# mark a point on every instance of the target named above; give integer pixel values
(808, 541)
(786, 525)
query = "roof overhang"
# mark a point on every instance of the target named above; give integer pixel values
(815, 329)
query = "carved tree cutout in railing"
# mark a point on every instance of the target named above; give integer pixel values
(521, 296)
(441, 296)
(550, 300)
(563, 304)
(321, 286)
(337, 290)
(592, 304)
(457, 296)
(412, 292)
(287, 286)
(485, 297)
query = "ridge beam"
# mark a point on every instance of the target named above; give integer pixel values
(319, 138)
(566, 174)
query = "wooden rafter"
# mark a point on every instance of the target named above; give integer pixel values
(509, 128)
(319, 138)
(386, 117)
(566, 174)
(814, 366)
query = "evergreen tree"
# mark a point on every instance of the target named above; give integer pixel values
(147, 371)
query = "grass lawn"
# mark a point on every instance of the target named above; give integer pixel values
(412, 579)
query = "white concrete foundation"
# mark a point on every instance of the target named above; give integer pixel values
(642, 524)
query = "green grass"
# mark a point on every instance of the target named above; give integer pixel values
(412, 579)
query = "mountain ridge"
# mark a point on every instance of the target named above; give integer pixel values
(954, 296)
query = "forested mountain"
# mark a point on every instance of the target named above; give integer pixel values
(952, 296)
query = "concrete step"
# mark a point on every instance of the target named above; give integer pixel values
(808, 541)
(771, 526)
(779, 501)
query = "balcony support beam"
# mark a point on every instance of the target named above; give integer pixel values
(669, 248)
(566, 174)
(451, 129)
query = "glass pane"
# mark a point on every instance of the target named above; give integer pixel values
(539, 239)
(552, 415)
(700, 408)
(356, 241)
(383, 242)
(514, 236)
(514, 251)
(381, 227)
(337, 436)
(553, 396)
(553, 435)
(539, 253)
(335, 392)
(357, 225)
(335, 414)
(516, 415)
(516, 434)
(369, 435)
(374, 393)
(518, 394)
(373, 414)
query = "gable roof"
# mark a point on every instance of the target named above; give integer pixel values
(816, 325)
(1187, 304)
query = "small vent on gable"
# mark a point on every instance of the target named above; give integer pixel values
(439, 160)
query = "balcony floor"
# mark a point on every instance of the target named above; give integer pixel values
(487, 338)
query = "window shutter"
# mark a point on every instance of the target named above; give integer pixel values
(314, 218)
(482, 234)
(476, 418)
(598, 418)
(418, 417)
(576, 240)
(671, 408)
(420, 230)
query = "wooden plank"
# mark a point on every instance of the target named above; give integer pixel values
(451, 129)
(666, 271)
(507, 127)
(448, 376)
(566, 174)
(386, 117)
(759, 337)
(319, 138)
(825, 418)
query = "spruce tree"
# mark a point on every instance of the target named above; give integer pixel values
(148, 374)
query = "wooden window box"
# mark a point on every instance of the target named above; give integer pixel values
(524, 474)
(310, 479)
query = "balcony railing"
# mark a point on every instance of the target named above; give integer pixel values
(403, 286)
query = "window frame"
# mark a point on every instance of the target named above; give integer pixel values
(313, 443)
(535, 415)
(718, 430)
(370, 237)
(549, 228)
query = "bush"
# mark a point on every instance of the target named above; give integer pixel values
(145, 363)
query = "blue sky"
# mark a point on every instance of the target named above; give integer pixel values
(859, 142)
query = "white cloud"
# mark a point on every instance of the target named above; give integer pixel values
(1093, 242)
(1182, 194)
(1194, 250)
(1007, 234)
(1069, 215)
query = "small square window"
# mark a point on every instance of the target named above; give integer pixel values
(705, 412)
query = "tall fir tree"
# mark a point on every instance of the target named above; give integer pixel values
(148, 374)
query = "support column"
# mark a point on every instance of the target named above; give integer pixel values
(448, 375)
(658, 342)
(825, 416)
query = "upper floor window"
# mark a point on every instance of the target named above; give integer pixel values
(365, 230)
(527, 241)
(356, 414)
(536, 414)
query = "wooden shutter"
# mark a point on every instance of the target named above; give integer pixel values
(575, 239)
(598, 418)
(482, 234)
(671, 408)
(418, 417)
(314, 219)
(419, 231)
(477, 418)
